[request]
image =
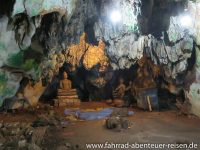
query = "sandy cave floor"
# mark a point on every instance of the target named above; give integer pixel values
(147, 127)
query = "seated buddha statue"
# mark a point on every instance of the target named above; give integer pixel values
(65, 83)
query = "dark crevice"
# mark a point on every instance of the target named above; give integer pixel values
(155, 15)
(6, 7)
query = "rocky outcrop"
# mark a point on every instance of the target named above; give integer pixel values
(75, 53)
(95, 55)
(90, 57)
(192, 89)
(173, 59)
(43, 7)
(9, 84)
(124, 45)
(17, 41)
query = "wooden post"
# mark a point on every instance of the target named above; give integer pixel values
(149, 103)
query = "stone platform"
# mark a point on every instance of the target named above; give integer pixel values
(67, 98)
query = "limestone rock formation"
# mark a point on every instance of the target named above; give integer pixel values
(74, 54)
(33, 92)
(34, 7)
(146, 74)
(94, 56)
(192, 82)
(125, 46)
(9, 84)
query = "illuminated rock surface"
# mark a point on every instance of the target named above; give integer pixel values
(96, 55)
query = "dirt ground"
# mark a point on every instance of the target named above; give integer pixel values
(146, 127)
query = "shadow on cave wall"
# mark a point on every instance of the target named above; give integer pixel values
(155, 15)
(6, 7)
(87, 91)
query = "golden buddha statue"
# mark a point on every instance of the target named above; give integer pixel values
(65, 83)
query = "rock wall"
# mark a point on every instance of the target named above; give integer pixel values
(125, 47)
(18, 26)
(35, 35)
(193, 91)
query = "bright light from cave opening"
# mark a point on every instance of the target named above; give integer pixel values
(186, 21)
(115, 16)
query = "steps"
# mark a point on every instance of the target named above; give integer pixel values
(67, 98)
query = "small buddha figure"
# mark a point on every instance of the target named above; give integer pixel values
(121, 89)
(65, 84)
(139, 79)
(148, 80)
(129, 86)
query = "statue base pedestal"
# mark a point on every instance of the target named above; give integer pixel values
(67, 98)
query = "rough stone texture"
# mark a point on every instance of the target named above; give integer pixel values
(175, 32)
(8, 45)
(95, 55)
(36, 134)
(125, 47)
(91, 57)
(172, 58)
(194, 9)
(16, 37)
(9, 84)
(126, 51)
(43, 7)
(32, 93)
(192, 90)
(75, 53)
